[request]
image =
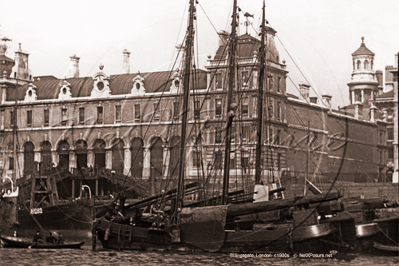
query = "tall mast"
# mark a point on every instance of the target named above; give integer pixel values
(260, 100)
(14, 133)
(230, 106)
(186, 93)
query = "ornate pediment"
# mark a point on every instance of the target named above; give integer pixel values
(100, 84)
(138, 86)
(65, 91)
(30, 95)
(176, 83)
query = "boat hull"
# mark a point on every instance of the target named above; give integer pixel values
(381, 231)
(213, 238)
(18, 242)
(73, 219)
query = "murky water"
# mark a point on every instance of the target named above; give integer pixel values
(86, 256)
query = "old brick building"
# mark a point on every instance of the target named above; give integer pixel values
(129, 123)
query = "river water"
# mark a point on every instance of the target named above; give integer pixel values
(86, 256)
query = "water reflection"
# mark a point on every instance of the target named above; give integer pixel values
(105, 257)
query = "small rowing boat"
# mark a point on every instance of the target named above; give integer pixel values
(17, 242)
(380, 246)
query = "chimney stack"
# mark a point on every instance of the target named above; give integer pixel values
(304, 91)
(223, 37)
(373, 112)
(21, 64)
(358, 110)
(74, 67)
(126, 62)
(313, 100)
(326, 97)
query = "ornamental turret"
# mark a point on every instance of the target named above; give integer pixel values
(363, 86)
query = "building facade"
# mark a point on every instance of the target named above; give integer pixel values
(387, 104)
(129, 124)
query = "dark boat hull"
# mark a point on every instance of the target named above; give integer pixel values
(73, 219)
(382, 231)
(213, 238)
(18, 242)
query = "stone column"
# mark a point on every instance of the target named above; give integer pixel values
(166, 160)
(127, 161)
(362, 100)
(108, 159)
(3, 94)
(373, 109)
(54, 157)
(20, 170)
(353, 97)
(72, 160)
(37, 156)
(90, 158)
(146, 163)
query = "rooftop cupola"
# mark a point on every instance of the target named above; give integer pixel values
(363, 58)
(6, 63)
(363, 86)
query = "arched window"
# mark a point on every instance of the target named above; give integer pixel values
(29, 158)
(63, 154)
(174, 156)
(372, 64)
(137, 155)
(118, 156)
(366, 64)
(156, 160)
(81, 153)
(46, 156)
(99, 153)
(358, 64)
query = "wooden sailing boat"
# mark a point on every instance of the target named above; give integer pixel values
(205, 228)
(43, 211)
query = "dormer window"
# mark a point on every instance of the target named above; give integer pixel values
(65, 91)
(30, 95)
(100, 86)
(176, 85)
(138, 86)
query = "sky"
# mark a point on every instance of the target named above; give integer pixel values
(315, 37)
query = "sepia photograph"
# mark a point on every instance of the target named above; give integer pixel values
(194, 132)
